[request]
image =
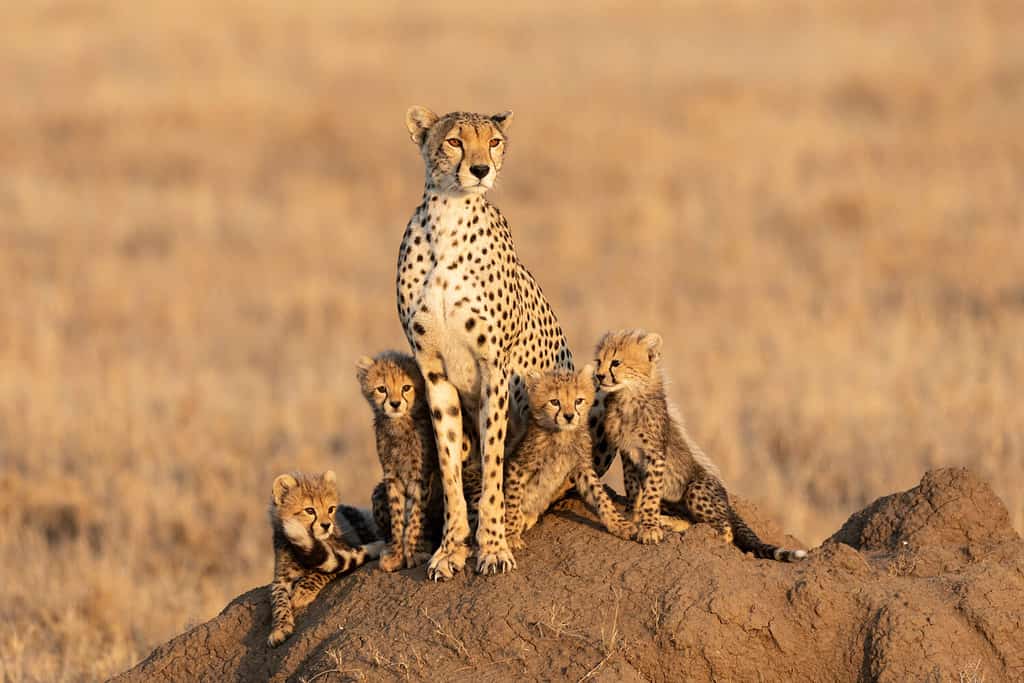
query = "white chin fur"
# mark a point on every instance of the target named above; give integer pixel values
(297, 533)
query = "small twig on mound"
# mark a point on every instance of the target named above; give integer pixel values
(459, 646)
(609, 640)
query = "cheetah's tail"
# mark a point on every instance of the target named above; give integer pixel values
(357, 525)
(747, 541)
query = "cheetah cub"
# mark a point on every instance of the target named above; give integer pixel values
(308, 548)
(556, 454)
(393, 386)
(663, 468)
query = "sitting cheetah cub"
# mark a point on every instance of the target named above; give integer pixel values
(555, 454)
(663, 468)
(308, 549)
(393, 386)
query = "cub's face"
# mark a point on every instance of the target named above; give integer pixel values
(305, 505)
(390, 383)
(626, 359)
(463, 151)
(560, 400)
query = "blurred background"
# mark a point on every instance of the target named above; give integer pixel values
(819, 205)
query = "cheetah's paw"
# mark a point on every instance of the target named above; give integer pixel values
(495, 561)
(650, 534)
(625, 530)
(447, 562)
(391, 559)
(278, 635)
(515, 542)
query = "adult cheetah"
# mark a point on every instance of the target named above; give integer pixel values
(475, 318)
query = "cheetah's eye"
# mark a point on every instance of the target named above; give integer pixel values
(382, 389)
(554, 402)
(406, 387)
(616, 363)
(330, 510)
(579, 401)
(311, 512)
(495, 142)
(454, 142)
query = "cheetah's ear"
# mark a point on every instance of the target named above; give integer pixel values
(586, 372)
(330, 477)
(504, 120)
(419, 120)
(282, 485)
(530, 379)
(653, 342)
(363, 366)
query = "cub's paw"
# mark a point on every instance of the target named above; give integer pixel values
(625, 530)
(447, 562)
(650, 534)
(279, 635)
(415, 559)
(495, 560)
(391, 559)
(515, 542)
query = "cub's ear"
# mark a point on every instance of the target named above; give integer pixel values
(586, 372)
(530, 379)
(504, 120)
(653, 342)
(363, 366)
(419, 120)
(282, 485)
(330, 477)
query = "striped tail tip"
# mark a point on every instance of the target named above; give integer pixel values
(786, 555)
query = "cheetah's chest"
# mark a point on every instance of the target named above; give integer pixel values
(447, 280)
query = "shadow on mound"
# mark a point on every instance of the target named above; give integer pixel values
(921, 585)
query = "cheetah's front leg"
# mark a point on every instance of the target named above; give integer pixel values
(394, 554)
(649, 508)
(493, 554)
(515, 523)
(450, 557)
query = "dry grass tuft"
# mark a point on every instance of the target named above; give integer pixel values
(819, 206)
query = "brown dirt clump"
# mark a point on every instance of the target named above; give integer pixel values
(921, 585)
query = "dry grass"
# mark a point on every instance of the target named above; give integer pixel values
(819, 205)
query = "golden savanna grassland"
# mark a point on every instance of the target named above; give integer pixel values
(820, 205)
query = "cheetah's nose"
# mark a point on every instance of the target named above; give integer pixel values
(395, 404)
(599, 377)
(325, 525)
(568, 417)
(480, 170)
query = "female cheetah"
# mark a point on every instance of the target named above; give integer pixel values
(662, 466)
(475, 318)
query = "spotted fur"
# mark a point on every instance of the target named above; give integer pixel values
(556, 454)
(663, 468)
(393, 386)
(308, 548)
(476, 321)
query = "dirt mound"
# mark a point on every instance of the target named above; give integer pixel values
(921, 585)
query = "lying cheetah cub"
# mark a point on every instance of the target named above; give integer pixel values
(393, 386)
(308, 549)
(663, 468)
(556, 454)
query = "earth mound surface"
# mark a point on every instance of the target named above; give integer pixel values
(924, 585)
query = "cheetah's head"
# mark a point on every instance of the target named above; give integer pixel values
(304, 506)
(463, 151)
(390, 383)
(560, 399)
(627, 359)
